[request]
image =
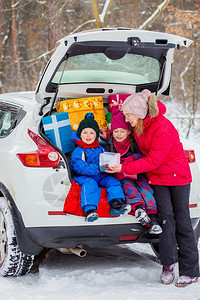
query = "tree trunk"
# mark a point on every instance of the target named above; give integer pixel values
(54, 32)
(14, 33)
(96, 14)
(14, 30)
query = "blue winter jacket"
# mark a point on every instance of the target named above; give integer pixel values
(85, 161)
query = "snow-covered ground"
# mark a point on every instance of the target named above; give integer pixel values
(128, 272)
(181, 120)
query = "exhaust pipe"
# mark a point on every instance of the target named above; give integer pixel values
(79, 251)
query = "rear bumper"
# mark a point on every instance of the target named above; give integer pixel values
(91, 236)
(31, 240)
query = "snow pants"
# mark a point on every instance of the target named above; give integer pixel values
(138, 191)
(176, 242)
(91, 189)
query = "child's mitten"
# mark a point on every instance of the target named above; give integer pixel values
(103, 168)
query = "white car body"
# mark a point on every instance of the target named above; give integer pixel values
(35, 192)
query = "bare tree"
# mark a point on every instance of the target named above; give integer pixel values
(14, 33)
(96, 13)
(53, 16)
(30, 30)
(100, 18)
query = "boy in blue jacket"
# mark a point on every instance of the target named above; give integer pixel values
(85, 163)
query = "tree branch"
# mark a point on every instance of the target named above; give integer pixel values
(155, 15)
(96, 13)
(100, 18)
(83, 24)
(105, 11)
(183, 73)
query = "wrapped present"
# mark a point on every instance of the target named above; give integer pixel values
(77, 108)
(58, 129)
(108, 119)
(109, 158)
(115, 101)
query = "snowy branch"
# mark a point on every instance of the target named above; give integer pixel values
(101, 16)
(183, 73)
(41, 2)
(57, 13)
(83, 24)
(105, 10)
(15, 4)
(155, 15)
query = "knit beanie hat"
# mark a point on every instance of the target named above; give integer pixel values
(137, 104)
(88, 122)
(118, 121)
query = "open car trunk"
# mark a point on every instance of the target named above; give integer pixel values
(106, 62)
(106, 66)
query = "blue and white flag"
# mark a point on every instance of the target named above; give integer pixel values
(58, 129)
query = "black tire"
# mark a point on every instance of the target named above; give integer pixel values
(12, 261)
(196, 228)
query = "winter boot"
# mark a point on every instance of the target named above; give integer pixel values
(91, 215)
(117, 208)
(154, 227)
(167, 275)
(141, 215)
(184, 280)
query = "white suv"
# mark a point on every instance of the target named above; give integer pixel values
(35, 175)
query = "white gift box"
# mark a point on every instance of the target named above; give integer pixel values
(109, 158)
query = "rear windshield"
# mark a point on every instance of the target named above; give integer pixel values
(131, 69)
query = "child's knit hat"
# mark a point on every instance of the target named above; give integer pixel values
(118, 121)
(137, 104)
(88, 122)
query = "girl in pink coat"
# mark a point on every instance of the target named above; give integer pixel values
(169, 175)
(137, 191)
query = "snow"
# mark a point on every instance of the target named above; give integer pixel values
(180, 117)
(127, 272)
(114, 273)
(15, 4)
(106, 7)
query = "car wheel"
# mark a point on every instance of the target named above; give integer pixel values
(196, 228)
(12, 261)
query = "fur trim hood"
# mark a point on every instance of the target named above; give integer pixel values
(156, 108)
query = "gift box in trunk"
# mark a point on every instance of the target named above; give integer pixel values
(57, 129)
(77, 108)
(115, 101)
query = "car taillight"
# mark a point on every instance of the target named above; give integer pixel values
(44, 156)
(190, 155)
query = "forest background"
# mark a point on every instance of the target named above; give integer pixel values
(29, 30)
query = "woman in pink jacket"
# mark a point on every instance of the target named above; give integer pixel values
(169, 175)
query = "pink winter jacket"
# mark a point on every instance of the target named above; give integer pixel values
(165, 162)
